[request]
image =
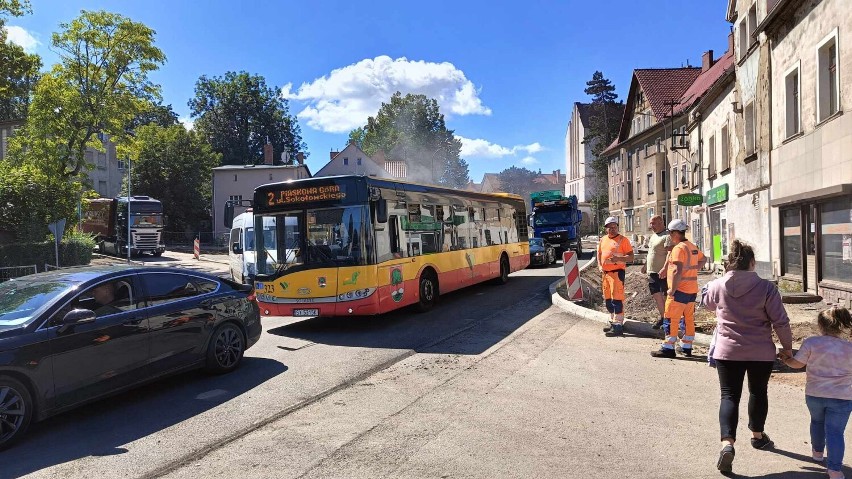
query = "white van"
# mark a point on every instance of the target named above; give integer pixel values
(242, 249)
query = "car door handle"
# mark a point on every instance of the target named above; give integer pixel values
(133, 322)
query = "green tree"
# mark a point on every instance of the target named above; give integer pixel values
(100, 85)
(604, 125)
(19, 71)
(155, 113)
(520, 181)
(412, 128)
(32, 199)
(175, 166)
(239, 113)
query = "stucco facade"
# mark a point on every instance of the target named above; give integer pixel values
(811, 193)
(580, 179)
(235, 182)
(352, 161)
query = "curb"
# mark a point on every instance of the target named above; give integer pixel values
(638, 328)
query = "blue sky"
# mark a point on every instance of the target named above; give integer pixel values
(505, 73)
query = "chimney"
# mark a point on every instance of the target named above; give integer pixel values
(731, 41)
(352, 142)
(300, 157)
(706, 60)
(332, 154)
(267, 154)
(558, 175)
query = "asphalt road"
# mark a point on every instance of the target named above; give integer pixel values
(153, 430)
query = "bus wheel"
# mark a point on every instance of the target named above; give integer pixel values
(504, 271)
(428, 291)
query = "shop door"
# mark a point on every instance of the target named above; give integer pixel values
(718, 233)
(810, 252)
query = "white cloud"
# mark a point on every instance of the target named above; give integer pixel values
(21, 37)
(485, 149)
(187, 122)
(529, 160)
(343, 99)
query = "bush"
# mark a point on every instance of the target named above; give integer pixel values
(74, 250)
(31, 199)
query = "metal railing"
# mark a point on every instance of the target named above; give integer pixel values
(9, 272)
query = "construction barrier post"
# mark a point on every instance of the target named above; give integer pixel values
(196, 248)
(572, 276)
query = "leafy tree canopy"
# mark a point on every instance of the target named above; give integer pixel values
(604, 125)
(175, 166)
(32, 199)
(239, 113)
(520, 181)
(100, 85)
(412, 128)
(19, 71)
(156, 113)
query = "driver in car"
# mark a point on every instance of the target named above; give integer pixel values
(104, 295)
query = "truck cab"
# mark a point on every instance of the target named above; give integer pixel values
(556, 219)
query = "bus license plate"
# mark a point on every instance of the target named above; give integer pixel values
(306, 312)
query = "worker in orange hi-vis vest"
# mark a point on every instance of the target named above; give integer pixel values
(614, 252)
(684, 262)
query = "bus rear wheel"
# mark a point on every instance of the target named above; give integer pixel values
(504, 271)
(428, 291)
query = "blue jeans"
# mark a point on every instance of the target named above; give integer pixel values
(828, 421)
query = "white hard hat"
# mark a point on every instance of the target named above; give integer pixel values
(611, 219)
(678, 224)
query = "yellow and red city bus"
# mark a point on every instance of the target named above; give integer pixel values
(358, 245)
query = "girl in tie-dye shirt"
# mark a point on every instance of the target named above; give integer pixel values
(828, 391)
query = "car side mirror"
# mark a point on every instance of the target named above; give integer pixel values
(75, 317)
(382, 211)
(236, 248)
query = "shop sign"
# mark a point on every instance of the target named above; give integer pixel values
(717, 195)
(689, 199)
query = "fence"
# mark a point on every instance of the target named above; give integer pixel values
(9, 272)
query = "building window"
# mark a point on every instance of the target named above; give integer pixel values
(675, 182)
(752, 25)
(122, 164)
(346, 162)
(628, 221)
(725, 146)
(235, 177)
(711, 156)
(270, 177)
(358, 161)
(659, 145)
(102, 160)
(748, 114)
(638, 189)
(235, 198)
(791, 82)
(646, 150)
(828, 94)
(791, 224)
(663, 181)
(665, 215)
(683, 176)
(102, 189)
(836, 247)
(650, 182)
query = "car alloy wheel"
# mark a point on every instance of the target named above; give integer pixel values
(226, 349)
(15, 410)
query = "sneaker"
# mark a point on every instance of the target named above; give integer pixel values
(657, 324)
(726, 459)
(664, 353)
(607, 328)
(762, 443)
(817, 456)
(615, 329)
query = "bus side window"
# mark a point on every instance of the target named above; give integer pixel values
(393, 230)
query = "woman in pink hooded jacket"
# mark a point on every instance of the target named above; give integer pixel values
(748, 308)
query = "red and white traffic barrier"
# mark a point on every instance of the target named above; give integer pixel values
(572, 276)
(196, 248)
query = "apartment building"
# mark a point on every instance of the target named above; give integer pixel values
(580, 179)
(811, 142)
(652, 140)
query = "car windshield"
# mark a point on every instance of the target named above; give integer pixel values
(536, 242)
(21, 300)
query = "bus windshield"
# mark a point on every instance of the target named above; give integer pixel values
(315, 238)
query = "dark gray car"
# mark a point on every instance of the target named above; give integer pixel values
(75, 335)
(541, 252)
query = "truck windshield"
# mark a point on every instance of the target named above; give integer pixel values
(146, 219)
(552, 218)
(317, 238)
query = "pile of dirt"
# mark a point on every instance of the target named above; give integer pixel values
(640, 306)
